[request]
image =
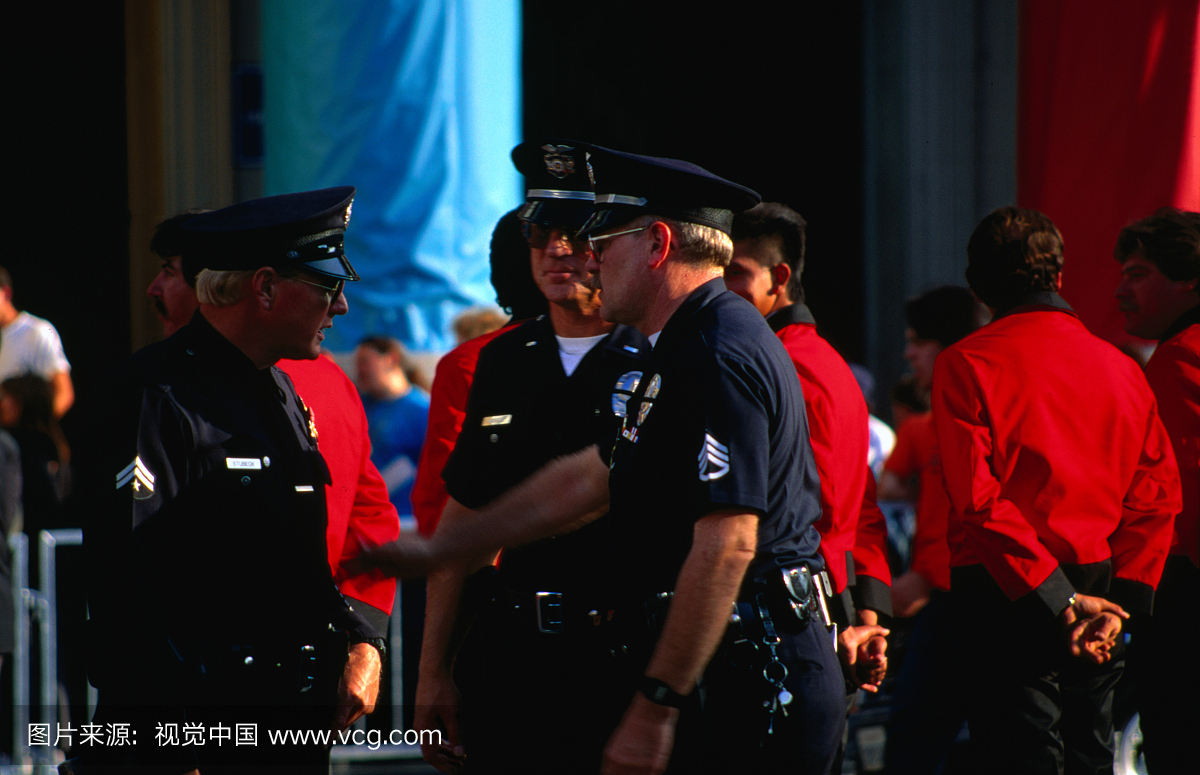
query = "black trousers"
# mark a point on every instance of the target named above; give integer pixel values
(535, 702)
(928, 709)
(727, 732)
(1166, 685)
(1032, 708)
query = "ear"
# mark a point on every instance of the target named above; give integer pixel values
(660, 243)
(264, 285)
(780, 274)
(1058, 283)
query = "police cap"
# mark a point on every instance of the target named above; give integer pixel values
(558, 190)
(628, 185)
(297, 231)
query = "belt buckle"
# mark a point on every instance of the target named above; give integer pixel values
(549, 612)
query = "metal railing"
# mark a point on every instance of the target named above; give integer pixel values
(40, 606)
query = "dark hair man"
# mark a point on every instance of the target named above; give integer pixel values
(928, 698)
(215, 459)
(1063, 485)
(541, 391)
(711, 491)
(173, 294)
(1160, 298)
(768, 258)
(518, 295)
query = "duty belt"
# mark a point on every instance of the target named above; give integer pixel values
(552, 613)
(284, 665)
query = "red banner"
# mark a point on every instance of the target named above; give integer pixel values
(1109, 129)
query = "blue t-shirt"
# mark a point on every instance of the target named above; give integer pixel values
(397, 431)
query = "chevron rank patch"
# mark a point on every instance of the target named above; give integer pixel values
(714, 459)
(137, 473)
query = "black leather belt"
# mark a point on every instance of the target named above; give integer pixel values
(551, 612)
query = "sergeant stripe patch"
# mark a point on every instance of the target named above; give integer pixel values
(714, 459)
(143, 480)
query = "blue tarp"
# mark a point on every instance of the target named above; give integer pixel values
(417, 103)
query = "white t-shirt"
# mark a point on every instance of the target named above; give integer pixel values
(30, 344)
(571, 350)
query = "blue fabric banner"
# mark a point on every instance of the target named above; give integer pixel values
(417, 103)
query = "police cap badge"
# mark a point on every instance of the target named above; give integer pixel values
(557, 189)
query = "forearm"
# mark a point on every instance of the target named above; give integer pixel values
(567, 492)
(64, 392)
(722, 549)
(443, 602)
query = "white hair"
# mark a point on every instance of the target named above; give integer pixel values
(698, 244)
(221, 288)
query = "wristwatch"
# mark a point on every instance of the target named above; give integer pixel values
(380, 645)
(659, 693)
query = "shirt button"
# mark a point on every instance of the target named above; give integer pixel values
(245, 480)
(494, 438)
(266, 462)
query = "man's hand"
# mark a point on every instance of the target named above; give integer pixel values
(410, 556)
(910, 593)
(863, 653)
(642, 742)
(437, 708)
(359, 686)
(1093, 625)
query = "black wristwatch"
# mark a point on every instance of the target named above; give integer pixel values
(380, 645)
(659, 693)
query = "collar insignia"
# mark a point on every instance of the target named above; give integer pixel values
(308, 415)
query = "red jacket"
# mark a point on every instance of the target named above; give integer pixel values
(1053, 453)
(851, 523)
(1174, 374)
(916, 452)
(447, 410)
(357, 501)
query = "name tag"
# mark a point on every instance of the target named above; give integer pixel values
(497, 419)
(304, 488)
(243, 462)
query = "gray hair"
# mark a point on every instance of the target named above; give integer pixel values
(698, 244)
(221, 288)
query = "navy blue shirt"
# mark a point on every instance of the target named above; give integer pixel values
(717, 421)
(523, 412)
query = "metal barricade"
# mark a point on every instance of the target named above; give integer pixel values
(40, 605)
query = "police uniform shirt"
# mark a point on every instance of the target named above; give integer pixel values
(202, 494)
(524, 411)
(717, 421)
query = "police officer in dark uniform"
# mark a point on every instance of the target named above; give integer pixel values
(201, 491)
(540, 391)
(714, 497)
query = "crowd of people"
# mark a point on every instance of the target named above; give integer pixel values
(646, 504)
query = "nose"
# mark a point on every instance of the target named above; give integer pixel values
(339, 306)
(154, 290)
(1122, 291)
(559, 243)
